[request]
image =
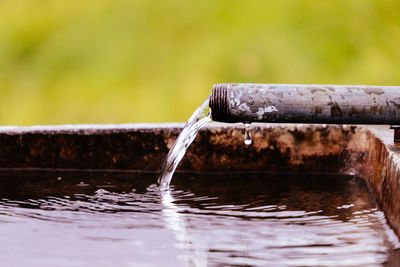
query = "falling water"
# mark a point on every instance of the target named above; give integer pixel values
(201, 116)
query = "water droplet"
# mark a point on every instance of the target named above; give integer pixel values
(247, 135)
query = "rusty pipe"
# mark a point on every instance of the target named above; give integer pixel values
(295, 103)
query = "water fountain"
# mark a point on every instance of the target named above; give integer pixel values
(299, 193)
(285, 103)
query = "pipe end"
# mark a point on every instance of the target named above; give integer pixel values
(219, 102)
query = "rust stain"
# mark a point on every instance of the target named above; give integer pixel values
(336, 112)
(330, 88)
(382, 110)
(370, 91)
(316, 111)
(374, 109)
(353, 111)
(314, 90)
(396, 103)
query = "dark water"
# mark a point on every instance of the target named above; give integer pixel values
(89, 219)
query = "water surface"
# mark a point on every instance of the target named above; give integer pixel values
(100, 219)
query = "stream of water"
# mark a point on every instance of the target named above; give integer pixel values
(201, 116)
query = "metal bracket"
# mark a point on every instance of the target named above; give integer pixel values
(396, 129)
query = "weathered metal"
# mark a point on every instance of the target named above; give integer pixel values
(364, 151)
(294, 103)
(217, 148)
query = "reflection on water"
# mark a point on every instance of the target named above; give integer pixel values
(194, 251)
(244, 219)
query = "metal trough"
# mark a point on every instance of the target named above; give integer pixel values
(365, 151)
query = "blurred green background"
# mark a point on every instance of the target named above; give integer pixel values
(108, 61)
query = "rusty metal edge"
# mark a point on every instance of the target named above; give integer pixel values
(365, 151)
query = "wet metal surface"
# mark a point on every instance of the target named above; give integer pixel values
(299, 103)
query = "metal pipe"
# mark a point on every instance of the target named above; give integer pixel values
(294, 103)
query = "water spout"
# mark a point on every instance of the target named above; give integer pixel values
(294, 103)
